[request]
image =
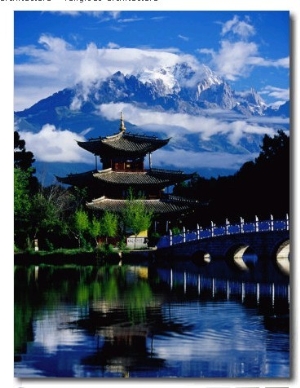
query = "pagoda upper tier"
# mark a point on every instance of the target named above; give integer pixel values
(123, 145)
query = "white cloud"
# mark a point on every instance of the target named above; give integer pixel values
(181, 124)
(185, 159)
(104, 16)
(233, 60)
(55, 64)
(185, 38)
(275, 92)
(130, 20)
(59, 145)
(55, 145)
(241, 28)
(237, 59)
(237, 56)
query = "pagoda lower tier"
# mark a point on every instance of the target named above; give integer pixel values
(164, 206)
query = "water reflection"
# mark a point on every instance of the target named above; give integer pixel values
(138, 322)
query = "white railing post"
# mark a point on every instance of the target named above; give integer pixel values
(198, 232)
(212, 228)
(171, 237)
(256, 224)
(287, 222)
(227, 224)
(271, 223)
(184, 234)
(242, 225)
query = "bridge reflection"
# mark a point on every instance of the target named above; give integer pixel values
(224, 288)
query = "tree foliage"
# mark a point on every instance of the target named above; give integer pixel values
(22, 159)
(80, 225)
(25, 187)
(260, 187)
(95, 227)
(108, 225)
(135, 215)
(22, 207)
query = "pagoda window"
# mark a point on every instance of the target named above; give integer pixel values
(118, 166)
(136, 165)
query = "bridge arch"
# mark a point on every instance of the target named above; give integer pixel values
(282, 257)
(241, 257)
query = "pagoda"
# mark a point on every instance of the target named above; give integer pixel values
(123, 169)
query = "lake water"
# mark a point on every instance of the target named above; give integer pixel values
(132, 321)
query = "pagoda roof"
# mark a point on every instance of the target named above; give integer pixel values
(123, 144)
(158, 206)
(79, 179)
(151, 177)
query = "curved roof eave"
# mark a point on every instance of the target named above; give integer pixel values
(123, 144)
(156, 205)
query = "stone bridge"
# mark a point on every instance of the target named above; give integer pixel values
(257, 251)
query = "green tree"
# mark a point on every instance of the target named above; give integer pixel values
(109, 225)
(22, 204)
(22, 207)
(80, 225)
(46, 223)
(260, 187)
(274, 149)
(95, 228)
(22, 159)
(25, 186)
(136, 217)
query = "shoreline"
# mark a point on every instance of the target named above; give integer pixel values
(82, 258)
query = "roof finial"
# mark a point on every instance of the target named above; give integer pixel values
(122, 125)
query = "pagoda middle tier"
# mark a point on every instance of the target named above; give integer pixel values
(115, 183)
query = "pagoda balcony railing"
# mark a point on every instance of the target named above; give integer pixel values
(174, 198)
(162, 171)
(133, 135)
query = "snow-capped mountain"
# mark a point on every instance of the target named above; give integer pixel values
(193, 105)
(178, 88)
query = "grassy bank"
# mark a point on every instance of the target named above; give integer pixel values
(60, 257)
(79, 257)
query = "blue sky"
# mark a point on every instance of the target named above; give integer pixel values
(248, 49)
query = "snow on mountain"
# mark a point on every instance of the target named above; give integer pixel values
(251, 101)
(179, 88)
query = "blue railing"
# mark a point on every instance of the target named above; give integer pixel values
(227, 229)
